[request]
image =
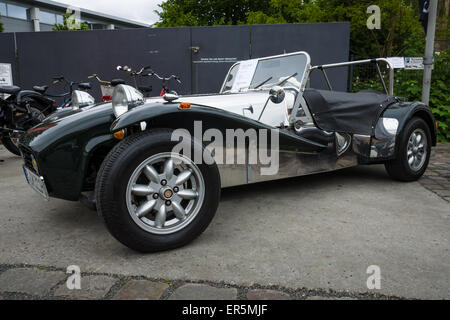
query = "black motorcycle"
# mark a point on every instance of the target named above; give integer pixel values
(20, 111)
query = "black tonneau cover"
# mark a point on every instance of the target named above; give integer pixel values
(355, 113)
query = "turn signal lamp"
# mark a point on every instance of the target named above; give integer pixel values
(119, 135)
(184, 105)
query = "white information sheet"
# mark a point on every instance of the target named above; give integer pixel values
(5, 74)
(414, 63)
(397, 62)
(244, 75)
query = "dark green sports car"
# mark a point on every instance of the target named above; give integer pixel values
(154, 168)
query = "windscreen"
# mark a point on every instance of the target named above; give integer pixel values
(286, 70)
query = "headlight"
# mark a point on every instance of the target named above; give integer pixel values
(125, 98)
(82, 99)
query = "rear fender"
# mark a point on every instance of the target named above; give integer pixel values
(405, 111)
(385, 144)
(29, 95)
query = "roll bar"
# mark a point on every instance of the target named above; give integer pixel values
(377, 61)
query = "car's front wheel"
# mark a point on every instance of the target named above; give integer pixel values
(152, 199)
(413, 152)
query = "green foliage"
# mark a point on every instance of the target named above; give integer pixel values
(64, 26)
(176, 13)
(1, 25)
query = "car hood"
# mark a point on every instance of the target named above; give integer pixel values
(248, 104)
(82, 121)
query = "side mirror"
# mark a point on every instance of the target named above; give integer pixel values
(277, 94)
(169, 97)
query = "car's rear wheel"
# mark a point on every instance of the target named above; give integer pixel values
(413, 152)
(152, 199)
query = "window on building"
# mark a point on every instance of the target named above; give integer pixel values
(17, 11)
(48, 17)
(2, 9)
(59, 19)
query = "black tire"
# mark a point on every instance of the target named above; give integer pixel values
(111, 188)
(399, 169)
(10, 146)
(38, 116)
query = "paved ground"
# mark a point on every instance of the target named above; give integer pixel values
(305, 238)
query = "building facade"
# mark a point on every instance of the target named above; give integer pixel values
(42, 15)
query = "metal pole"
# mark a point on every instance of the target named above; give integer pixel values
(429, 50)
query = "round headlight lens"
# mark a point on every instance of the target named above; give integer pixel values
(82, 99)
(125, 98)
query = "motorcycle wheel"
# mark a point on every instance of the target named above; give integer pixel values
(10, 145)
(11, 141)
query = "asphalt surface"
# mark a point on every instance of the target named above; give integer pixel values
(315, 232)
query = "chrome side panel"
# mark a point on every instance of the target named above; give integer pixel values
(291, 164)
(233, 174)
(361, 144)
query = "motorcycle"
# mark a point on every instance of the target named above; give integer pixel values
(20, 111)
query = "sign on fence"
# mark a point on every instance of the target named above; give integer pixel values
(5, 74)
(414, 63)
(397, 62)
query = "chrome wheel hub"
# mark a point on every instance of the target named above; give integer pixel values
(165, 193)
(416, 151)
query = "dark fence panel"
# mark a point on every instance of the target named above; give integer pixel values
(201, 56)
(214, 51)
(325, 43)
(76, 55)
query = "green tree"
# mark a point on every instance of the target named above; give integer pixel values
(400, 27)
(1, 25)
(176, 13)
(65, 25)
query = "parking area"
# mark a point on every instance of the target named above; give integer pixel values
(307, 237)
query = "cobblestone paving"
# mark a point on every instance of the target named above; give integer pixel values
(48, 283)
(437, 176)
